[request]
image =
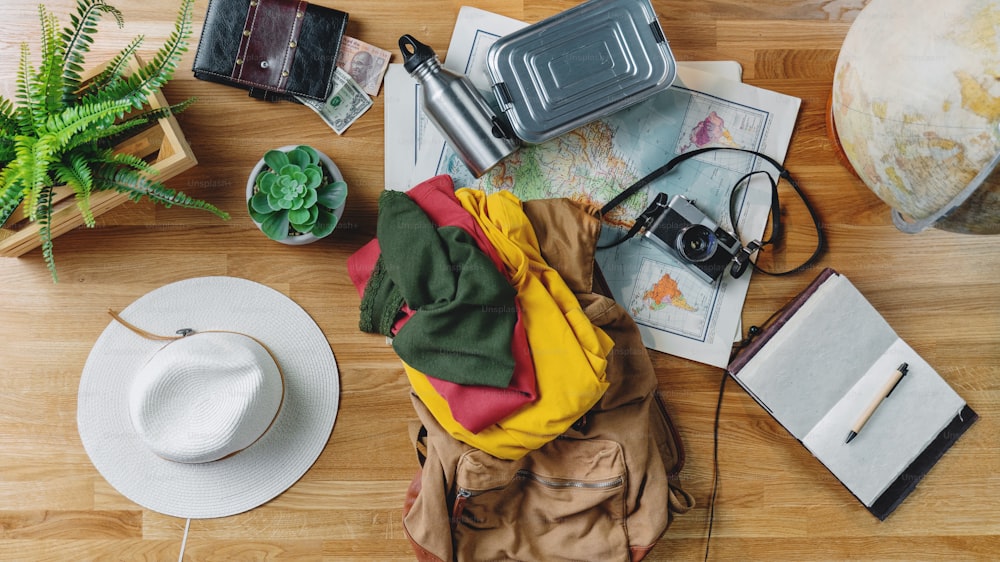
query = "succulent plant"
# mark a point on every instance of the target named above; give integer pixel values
(295, 194)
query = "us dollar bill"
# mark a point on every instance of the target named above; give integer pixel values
(345, 105)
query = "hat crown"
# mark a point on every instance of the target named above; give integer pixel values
(206, 396)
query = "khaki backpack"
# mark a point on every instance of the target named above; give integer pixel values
(605, 490)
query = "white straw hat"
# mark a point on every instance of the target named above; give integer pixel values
(216, 422)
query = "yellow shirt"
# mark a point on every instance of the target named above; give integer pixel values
(568, 351)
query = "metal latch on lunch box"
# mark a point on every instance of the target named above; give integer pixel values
(503, 95)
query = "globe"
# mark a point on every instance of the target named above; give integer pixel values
(916, 109)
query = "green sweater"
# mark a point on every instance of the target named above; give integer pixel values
(465, 312)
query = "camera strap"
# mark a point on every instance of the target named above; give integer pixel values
(774, 213)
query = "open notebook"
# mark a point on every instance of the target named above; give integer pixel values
(819, 366)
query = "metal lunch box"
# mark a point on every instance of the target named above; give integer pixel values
(578, 66)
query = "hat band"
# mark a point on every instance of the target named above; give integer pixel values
(185, 332)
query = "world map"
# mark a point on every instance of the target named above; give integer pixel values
(666, 293)
(711, 129)
(661, 300)
(595, 162)
(586, 164)
(582, 165)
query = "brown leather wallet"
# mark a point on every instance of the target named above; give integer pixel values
(276, 49)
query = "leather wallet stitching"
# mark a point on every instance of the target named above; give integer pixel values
(290, 46)
(241, 52)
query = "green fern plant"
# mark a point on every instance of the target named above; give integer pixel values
(60, 130)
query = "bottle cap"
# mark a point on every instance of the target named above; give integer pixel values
(415, 53)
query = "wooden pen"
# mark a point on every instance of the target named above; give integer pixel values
(884, 393)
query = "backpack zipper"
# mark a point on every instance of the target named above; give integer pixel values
(464, 494)
(603, 485)
(562, 484)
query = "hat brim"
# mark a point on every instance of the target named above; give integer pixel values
(249, 478)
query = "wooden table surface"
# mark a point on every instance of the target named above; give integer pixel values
(939, 290)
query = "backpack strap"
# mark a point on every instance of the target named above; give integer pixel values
(679, 500)
(418, 435)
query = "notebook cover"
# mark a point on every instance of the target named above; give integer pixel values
(908, 480)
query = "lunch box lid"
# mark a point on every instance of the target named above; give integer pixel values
(578, 66)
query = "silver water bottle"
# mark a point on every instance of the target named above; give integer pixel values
(458, 110)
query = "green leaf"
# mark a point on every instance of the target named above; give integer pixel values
(299, 157)
(78, 37)
(11, 192)
(8, 118)
(299, 217)
(137, 186)
(259, 203)
(275, 226)
(310, 197)
(258, 217)
(45, 233)
(64, 125)
(266, 182)
(309, 221)
(314, 177)
(325, 223)
(112, 73)
(164, 112)
(278, 203)
(105, 135)
(76, 174)
(275, 159)
(311, 153)
(50, 73)
(153, 75)
(333, 195)
(122, 160)
(33, 110)
(288, 169)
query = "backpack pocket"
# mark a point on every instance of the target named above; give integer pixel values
(565, 501)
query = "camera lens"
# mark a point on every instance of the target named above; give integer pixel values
(696, 243)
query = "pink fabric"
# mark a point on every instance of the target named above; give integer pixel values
(361, 264)
(474, 407)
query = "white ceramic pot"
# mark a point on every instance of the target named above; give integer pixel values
(331, 168)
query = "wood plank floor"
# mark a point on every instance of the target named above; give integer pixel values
(939, 290)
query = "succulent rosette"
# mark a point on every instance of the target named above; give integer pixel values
(294, 194)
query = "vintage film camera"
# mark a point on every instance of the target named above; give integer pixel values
(680, 229)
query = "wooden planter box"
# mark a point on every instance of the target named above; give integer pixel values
(162, 144)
